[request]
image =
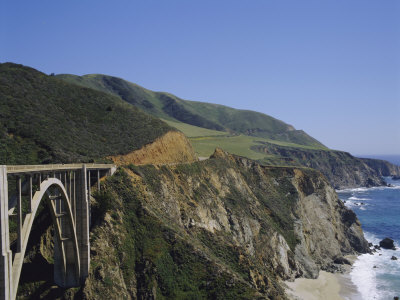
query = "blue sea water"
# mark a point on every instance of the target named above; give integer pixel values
(377, 276)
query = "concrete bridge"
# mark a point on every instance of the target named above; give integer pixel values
(66, 191)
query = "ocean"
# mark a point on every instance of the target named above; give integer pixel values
(378, 209)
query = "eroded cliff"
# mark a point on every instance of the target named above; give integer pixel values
(341, 168)
(223, 228)
(225, 224)
(172, 147)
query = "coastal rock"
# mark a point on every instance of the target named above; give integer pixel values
(225, 224)
(342, 261)
(341, 168)
(396, 177)
(394, 258)
(382, 167)
(334, 268)
(387, 243)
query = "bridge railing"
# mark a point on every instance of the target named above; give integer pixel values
(14, 169)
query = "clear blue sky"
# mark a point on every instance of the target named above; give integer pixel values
(331, 68)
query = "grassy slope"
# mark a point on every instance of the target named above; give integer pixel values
(242, 145)
(249, 134)
(44, 119)
(194, 131)
(204, 115)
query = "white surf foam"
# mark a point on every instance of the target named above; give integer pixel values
(359, 199)
(365, 189)
(363, 276)
(369, 272)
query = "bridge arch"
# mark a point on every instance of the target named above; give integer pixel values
(66, 189)
(67, 264)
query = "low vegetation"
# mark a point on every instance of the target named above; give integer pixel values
(163, 263)
(45, 120)
(200, 114)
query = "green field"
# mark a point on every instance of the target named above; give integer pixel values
(194, 131)
(239, 145)
(205, 141)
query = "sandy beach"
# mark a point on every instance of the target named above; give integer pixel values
(327, 286)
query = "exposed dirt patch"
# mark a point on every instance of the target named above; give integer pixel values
(172, 147)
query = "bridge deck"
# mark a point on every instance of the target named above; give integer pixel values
(17, 169)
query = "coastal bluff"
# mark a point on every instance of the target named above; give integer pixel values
(223, 227)
(342, 169)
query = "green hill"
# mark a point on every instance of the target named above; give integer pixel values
(200, 114)
(44, 119)
(245, 133)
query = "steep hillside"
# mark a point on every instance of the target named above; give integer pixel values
(44, 119)
(341, 168)
(246, 133)
(170, 148)
(205, 115)
(224, 228)
(383, 167)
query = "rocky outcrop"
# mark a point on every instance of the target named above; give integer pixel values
(172, 147)
(382, 167)
(226, 227)
(254, 224)
(341, 168)
(259, 224)
(387, 243)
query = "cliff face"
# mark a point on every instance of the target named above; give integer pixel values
(383, 167)
(172, 147)
(222, 228)
(226, 218)
(341, 168)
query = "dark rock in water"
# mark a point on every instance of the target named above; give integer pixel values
(342, 261)
(396, 177)
(395, 298)
(387, 243)
(371, 183)
(370, 245)
(394, 258)
(375, 267)
(377, 247)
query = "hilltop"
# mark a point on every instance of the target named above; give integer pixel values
(44, 119)
(246, 133)
(200, 114)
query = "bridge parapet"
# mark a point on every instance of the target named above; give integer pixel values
(66, 189)
(19, 169)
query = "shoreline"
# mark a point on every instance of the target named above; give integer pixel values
(328, 286)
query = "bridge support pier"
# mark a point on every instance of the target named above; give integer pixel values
(6, 254)
(82, 227)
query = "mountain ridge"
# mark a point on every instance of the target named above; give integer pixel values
(281, 143)
(44, 119)
(202, 114)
